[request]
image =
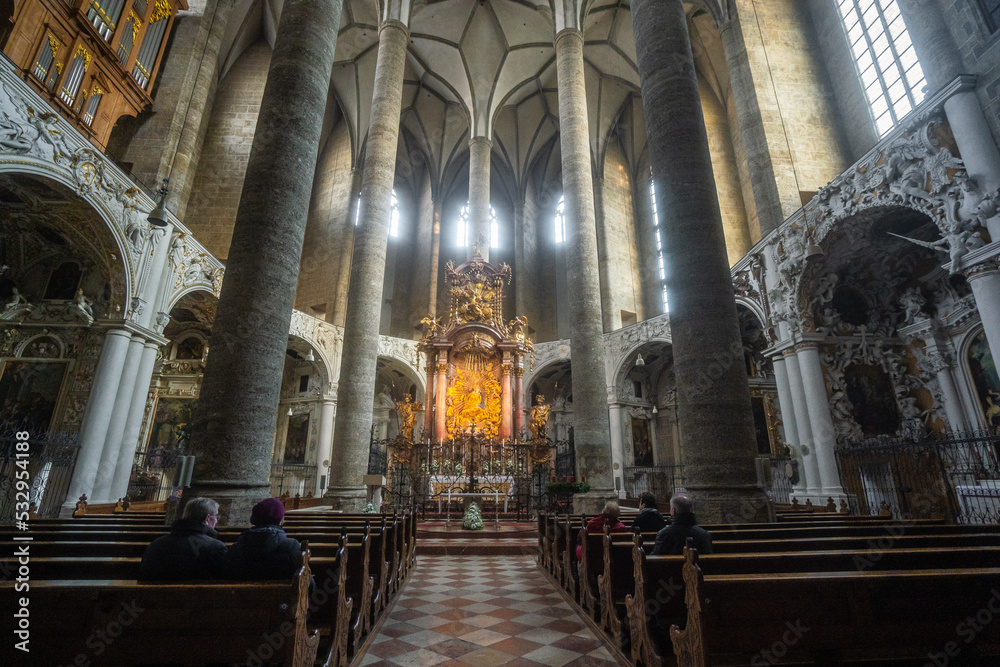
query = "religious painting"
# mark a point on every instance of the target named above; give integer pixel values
(170, 425)
(871, 393)
(984, 376)
(642, 446)
(297, 438)
(29, 391)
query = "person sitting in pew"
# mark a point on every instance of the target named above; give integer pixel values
(192, 550)
(264, 552)
(649, 519)
(671, 540)
(608, 517)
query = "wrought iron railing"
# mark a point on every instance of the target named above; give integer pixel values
(658, 480)
(153, 472)
(773, 475)
(292, 478)
(49, 464)
(955, 475)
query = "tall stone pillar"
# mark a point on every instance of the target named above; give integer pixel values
(611, 316)
(507, 403)
(809, 473)
(941, 63)
(196, 104)
(232, 433)
(479, 233)
(591, 429)
(429, 399)
(356, 395)
(617, 444)
(327, 412)
(440, 396)
(713, 394)
(97, 416)
(984, 280)
(435, 262)
(518, 400)
(787, 410)
(133, 425)
(820, 419)
(765, 175)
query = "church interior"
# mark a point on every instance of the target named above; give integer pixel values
(411, 268)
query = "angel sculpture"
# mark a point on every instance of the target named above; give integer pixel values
(955, 242)
(433, 324)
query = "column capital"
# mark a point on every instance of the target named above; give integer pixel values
(479, 139)
(568, 33)
(396, 24)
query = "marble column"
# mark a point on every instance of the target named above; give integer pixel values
(133, 424)
(617, 446)
(197, 107)
(941, 63)
(233, 425)
(356, 396)
(713, 393)
(429, 400)
(479, 235)
(518, 400)
(591, 428)
(787, 410)
(809, 472)
(985, 283)
(440, 396)
(327, 412)
(820, 419)
(763, 174)
(507, 403)
(432, 285)
(97, 416)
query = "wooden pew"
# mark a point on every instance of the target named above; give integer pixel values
(883, 615)
(122, 622)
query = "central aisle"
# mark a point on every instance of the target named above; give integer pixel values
(484, 611)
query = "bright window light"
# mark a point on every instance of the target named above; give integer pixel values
(560, 220)
(462, 236)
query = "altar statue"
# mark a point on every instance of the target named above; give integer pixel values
(407, 410)
(538, 425)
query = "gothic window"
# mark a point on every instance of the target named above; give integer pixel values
(661, 265)
(560, 220)
(991, 13)
(462, 236)
(394, 216)
(887, 62)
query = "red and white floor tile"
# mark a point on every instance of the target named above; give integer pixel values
(484, 611)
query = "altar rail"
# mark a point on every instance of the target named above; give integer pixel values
(955, 475)
(52, 457)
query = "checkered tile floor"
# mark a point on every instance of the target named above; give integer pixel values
(484, 611)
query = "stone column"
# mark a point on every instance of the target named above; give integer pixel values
(617, 445)
(713, 394)
(479, 235)
(196, 105)
(356, 396)
(133, 424)
(518, 400)
(763, 173)
(787, 410)
(435, 261)
(820, 419)
(97, 417)
(807, 453)
(429, 400)
(591, 429)
(611, 316)
(233, 427)
(440, 395)
(507, 403)
(941, 63)
(985, 283)
(327, 412)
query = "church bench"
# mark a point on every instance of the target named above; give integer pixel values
(866, 615)
(123, 622)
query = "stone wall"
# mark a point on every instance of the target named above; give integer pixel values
(727, 176)
(331, 217)
(219, 183)
(623, 290)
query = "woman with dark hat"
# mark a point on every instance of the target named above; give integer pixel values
(264, 551)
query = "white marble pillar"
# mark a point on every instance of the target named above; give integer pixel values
(116, 425)
(809, 470)
(479, 236)
(325, 448)
(97, 416)
(787, 410)
(617, 446)
(985, 283)
(133, 424)
(820, 419)
(974, 140)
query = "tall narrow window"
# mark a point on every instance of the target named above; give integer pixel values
(71, 85)
(462, 235)
(658, 237)
(357, 212)
(150, 49)
(104, 16)
(561, 220)
(394, 215)
(887, 62)
(46, 58)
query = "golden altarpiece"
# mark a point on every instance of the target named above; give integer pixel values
(474, 445)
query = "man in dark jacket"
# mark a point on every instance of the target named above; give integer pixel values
(192, 550)
(649, 519)
(671, 540)
(264, 552)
